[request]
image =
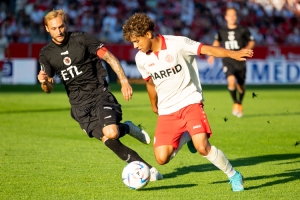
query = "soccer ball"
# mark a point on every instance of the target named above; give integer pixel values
(136, 175)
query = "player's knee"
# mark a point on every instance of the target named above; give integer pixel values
(231, 82)
(161, 157)
(161, 160)
(203, 150)
(111, 131)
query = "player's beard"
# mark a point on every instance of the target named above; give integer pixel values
(60, 39)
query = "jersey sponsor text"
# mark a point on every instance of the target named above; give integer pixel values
(70, 71)
(166, 73)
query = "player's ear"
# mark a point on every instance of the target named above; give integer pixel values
(149, 34)
(46, 27)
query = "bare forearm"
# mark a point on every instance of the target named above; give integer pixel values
(153, 98)
(221, 52)
(116, 66)
(215, 51)
(152, 95)
(250, 45)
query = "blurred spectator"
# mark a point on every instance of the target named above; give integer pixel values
(4, 52)
(270, 21)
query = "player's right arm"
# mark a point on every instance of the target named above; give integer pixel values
(211, 59)
(152, 94)
(221, 52)
(46, 82)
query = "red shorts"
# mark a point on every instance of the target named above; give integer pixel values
(170, 127)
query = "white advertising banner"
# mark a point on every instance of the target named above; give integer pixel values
(20, 71)
(259, 71)
(269, 71)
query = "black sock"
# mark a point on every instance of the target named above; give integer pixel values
(241, 96)
(233, 95)
(124, 152)
(123, 129)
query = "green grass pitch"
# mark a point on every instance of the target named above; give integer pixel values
(45, 155)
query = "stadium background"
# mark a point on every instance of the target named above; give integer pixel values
(275, 25)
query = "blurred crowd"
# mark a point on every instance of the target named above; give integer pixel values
(270, 21)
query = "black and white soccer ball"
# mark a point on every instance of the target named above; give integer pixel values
(136, 175)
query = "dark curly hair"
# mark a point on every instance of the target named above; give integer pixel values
(137, 25)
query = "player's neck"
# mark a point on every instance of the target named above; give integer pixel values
(231, 26)
(156, 44)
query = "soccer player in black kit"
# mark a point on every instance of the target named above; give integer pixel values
(76, 58)
(234, 37)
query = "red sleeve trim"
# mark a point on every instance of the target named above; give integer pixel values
(199, 49)
(101, 52)
(148, 78)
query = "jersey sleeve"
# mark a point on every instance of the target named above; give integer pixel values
(189, 47)
(141, 68)
(218, 36)
(45, 65)
(92, 43)
(247, 34)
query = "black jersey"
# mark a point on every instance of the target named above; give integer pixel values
(78, 66)
(234, 39)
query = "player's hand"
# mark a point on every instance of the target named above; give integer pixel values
(42, 76)
(210, 60)
(242, 54)
(126, 90)
(155, 110)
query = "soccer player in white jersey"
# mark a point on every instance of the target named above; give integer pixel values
(168, 65)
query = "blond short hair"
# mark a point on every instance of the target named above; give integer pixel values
(53, 14)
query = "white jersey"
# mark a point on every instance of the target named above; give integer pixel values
(174, 72)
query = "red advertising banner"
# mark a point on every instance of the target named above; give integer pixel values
(127, 52)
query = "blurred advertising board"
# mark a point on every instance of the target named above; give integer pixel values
(276, 68)
(270, 65)
(20, 71)
(270, 71)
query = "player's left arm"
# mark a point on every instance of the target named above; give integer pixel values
(221, 52)
(45, 75)
(250, 45)
(152, 94)
(211, 59)
(114, 63)
(46, 82)
(249, 37)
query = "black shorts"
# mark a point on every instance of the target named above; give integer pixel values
(97, 114)
(236, 68)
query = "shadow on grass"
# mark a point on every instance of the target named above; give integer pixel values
(34, 111)
(282, 178)
(169, 187)
(285, 176)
